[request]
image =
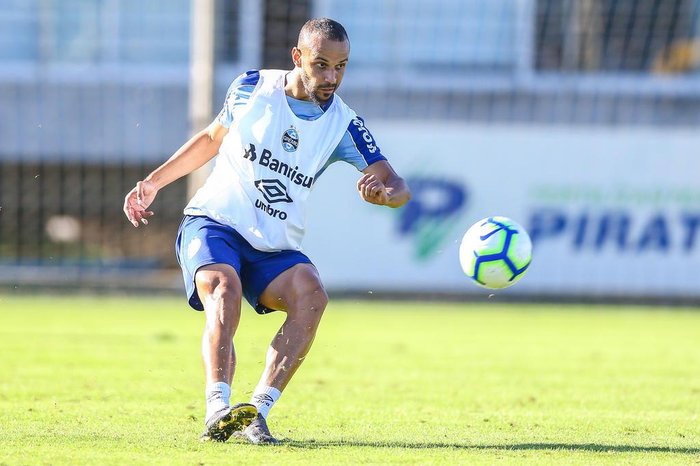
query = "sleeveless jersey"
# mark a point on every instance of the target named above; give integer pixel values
(267, 165)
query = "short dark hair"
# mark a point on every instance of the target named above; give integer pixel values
(326, 27)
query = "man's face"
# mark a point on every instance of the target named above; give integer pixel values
(322, 65)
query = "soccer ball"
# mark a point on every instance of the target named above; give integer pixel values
(495, 252)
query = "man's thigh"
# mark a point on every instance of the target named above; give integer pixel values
(281, 293)
(202, 242)
(260, 269)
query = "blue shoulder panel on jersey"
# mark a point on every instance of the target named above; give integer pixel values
(249, 78)
(364, 141)
(237, 95)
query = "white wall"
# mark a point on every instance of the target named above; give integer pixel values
(610, 211)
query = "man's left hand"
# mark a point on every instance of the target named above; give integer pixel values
(372, 190)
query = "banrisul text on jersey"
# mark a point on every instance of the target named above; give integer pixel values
(266, 159)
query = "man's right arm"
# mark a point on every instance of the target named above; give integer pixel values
(205, 145)
(200, 149)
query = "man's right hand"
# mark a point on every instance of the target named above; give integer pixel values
(138, 200)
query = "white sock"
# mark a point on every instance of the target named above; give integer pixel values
(218, 397)
(264, 398)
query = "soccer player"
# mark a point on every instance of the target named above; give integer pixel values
(241, 233)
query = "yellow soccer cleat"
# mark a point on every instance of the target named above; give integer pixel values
(224, 424)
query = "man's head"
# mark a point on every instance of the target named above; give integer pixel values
(320, 57)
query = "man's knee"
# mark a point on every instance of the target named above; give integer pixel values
(308, 298)
(305, 285)
(297, 290)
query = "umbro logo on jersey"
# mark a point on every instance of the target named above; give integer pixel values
(273, 190)
(290, 140)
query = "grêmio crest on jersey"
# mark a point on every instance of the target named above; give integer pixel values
(290, 139)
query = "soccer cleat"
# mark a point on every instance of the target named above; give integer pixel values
(230, 420)
(257, 432)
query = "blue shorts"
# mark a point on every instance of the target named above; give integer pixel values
(202, 241)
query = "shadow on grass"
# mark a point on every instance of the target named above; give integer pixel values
(594, 447)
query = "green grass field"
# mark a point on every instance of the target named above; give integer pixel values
(105, 380)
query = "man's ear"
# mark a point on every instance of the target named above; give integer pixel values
(296, 57)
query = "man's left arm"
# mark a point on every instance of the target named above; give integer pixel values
(381, 185)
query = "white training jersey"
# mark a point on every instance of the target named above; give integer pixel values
(267, 166)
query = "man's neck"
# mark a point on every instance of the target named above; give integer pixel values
(294, 87)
